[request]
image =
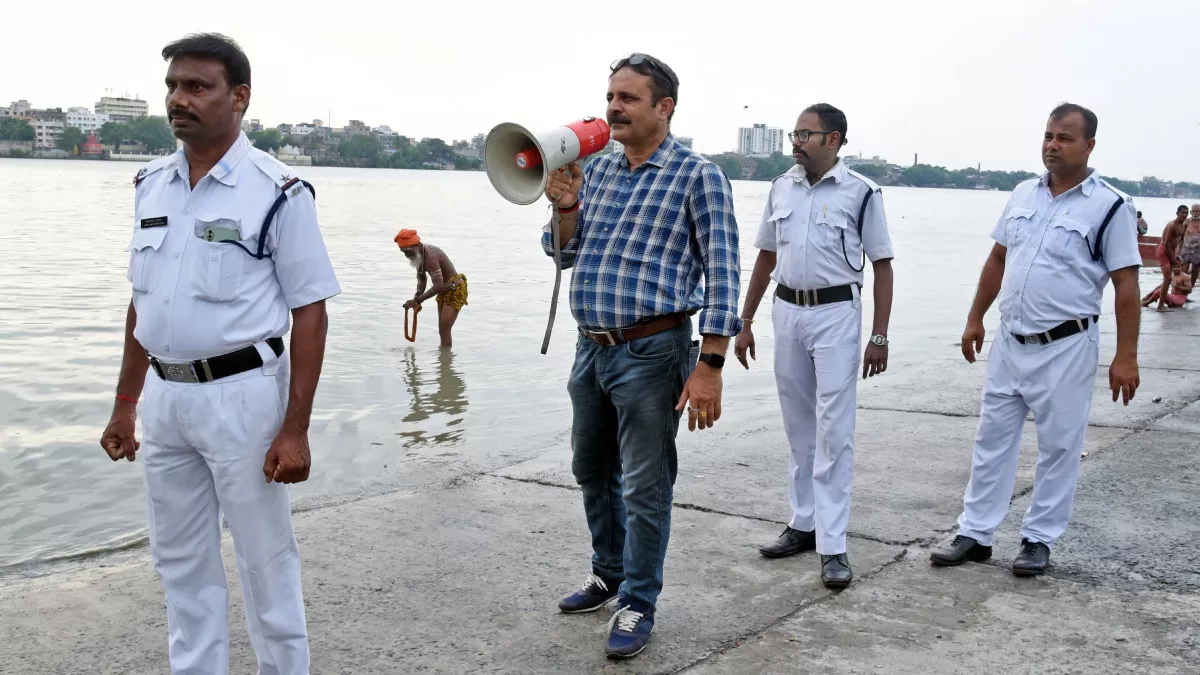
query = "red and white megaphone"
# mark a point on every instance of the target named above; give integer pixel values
(519, 162)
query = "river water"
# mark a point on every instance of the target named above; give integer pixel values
(386, 410)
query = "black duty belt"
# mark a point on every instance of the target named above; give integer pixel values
(207, 370)
(820, 296)
(1062, 330)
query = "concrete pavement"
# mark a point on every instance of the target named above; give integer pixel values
(461, 573)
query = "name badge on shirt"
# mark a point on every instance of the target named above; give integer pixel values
(148, 223)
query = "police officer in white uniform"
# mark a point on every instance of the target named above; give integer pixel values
(226, 407)
(1060, 238)
(821, 224)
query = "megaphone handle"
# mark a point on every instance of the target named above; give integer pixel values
(555, 219)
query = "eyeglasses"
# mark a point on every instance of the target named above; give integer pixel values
(802, 135)
(638, 59)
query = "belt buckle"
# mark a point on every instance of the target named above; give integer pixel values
(810, 298)
(608, 335)
(179, 372)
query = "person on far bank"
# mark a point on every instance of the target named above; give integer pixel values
(1060, 239)
(820, 220)
(226, 410)
(641, 229)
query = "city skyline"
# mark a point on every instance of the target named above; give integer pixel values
(955, 82)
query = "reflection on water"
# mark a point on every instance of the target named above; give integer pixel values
(436, 389)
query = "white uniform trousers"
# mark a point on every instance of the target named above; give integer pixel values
(203, 452)
(1055, 381)
(817, 359)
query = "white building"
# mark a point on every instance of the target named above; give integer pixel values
(760, 140)
(16, 109)
(85, 120)
(685, 141)
(48, 132)
(122, 109)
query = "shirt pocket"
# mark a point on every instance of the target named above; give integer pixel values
(777, 218)
(1069, 240)
(145, 260)
(833, 231)
(1019, 225)
(216, 275)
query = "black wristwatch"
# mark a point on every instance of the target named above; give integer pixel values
(713, 360)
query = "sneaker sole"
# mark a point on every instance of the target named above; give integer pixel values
(587, 610)
(975, 557)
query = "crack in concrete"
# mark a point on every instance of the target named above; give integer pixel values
(704, 509)
(744, 638)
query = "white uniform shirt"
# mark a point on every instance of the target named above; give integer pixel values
(805, 225)
(197, 299)
(1049, 274)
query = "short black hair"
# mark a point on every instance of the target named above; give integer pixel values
(1089, 118)
(1182, 206)
(831, 118)
(1139, 214)
(213, 46)
(663, 81)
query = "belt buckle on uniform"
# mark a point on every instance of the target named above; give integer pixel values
(179, 372)
(810, 298)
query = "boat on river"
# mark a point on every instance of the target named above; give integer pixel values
(1147, 245)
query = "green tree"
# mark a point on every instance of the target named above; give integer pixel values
(362, 150)
(13, 129)
(154, 132)
(1127, 186)
(115, 133)
(71, 138)
(924, 175)
(872, 171)
(267, 139)
(730, 163)
(774, 165)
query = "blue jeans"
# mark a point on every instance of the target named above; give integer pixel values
(623, 443)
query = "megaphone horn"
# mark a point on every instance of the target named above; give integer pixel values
(518, 162)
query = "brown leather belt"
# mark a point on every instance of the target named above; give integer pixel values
(612, 338)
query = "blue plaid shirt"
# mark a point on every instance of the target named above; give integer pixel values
(644, 239)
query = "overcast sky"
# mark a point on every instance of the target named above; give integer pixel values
(959, 82)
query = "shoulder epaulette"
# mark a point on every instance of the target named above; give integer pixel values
(151, 167)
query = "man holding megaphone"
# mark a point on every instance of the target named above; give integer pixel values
(641, 229)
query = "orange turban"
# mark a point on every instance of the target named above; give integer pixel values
(407, 238)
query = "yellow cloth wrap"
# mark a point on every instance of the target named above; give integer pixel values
(455, 297)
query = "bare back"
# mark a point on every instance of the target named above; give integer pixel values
(437, 264)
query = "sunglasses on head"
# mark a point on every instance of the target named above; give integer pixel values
(639, 59)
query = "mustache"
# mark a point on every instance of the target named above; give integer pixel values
(174, 113)
(619, 119)
(798, 151)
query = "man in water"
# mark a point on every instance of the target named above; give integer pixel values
(449, 286)
(1167, 253)
(1143, 226)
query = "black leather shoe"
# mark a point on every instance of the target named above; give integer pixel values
(790, 542)
(835, 571)
(962, 549)
(1032, 560)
